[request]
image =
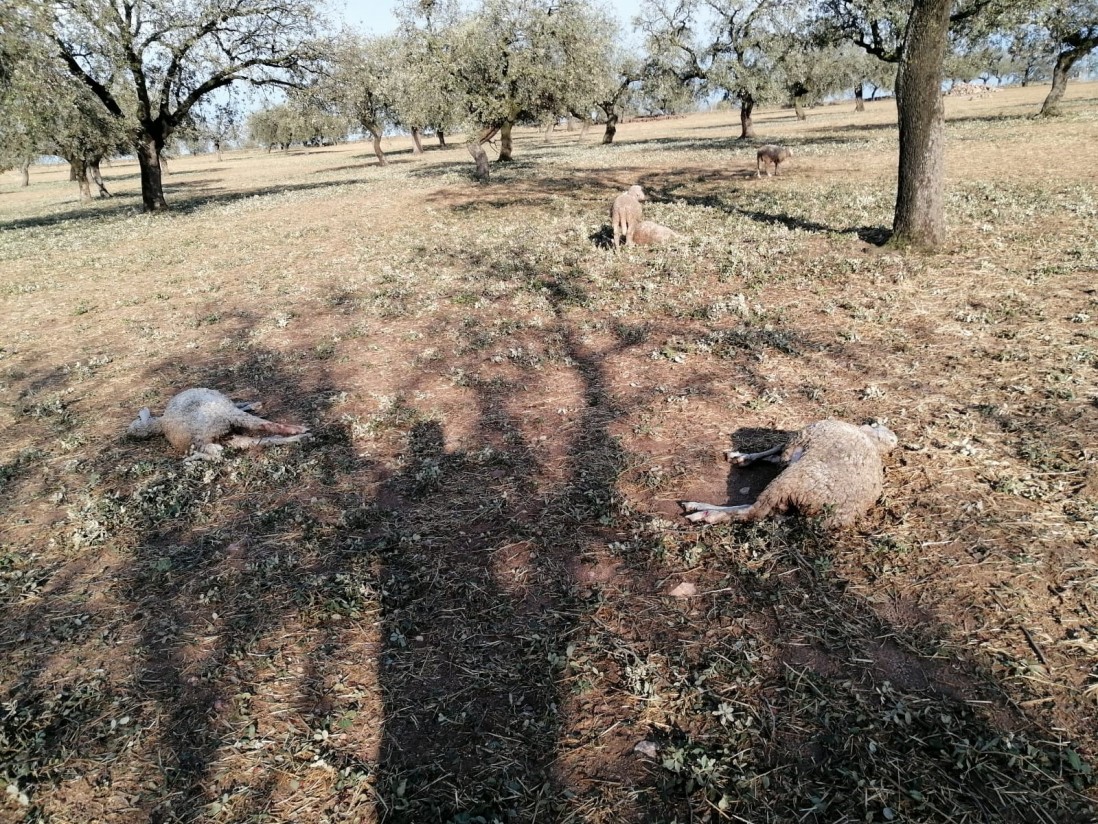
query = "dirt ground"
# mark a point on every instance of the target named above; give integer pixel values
(462, 601)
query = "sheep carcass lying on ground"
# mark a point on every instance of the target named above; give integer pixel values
(196, 419)
(832, 469)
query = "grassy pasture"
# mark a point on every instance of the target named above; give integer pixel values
(455, 604)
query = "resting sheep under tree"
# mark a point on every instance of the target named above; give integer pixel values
(831, 469)
(771, 155)
(196, 419)
(626, 214)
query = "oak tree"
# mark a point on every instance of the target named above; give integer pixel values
(150, 62)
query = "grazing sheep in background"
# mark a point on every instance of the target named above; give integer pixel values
(771, 154)
(195, 419)
(832, 469)
(626, 214)
(649, 233)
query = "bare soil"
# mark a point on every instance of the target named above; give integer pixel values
(455, 604)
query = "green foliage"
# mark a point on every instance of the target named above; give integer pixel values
(529, 60)
(151, 63)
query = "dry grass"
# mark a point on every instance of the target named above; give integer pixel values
(454, 604)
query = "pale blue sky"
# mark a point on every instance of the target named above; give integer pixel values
(375, 16)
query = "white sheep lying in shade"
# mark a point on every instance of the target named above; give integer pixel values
(832, 469)
(196, 419)
(650, 233)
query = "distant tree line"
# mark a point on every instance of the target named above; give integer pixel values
(89, 79)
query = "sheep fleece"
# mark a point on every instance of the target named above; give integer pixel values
(840, 468)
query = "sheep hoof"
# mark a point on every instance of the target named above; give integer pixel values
(738, 458)
(708, 516)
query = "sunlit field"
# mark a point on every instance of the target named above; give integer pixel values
(463, 601)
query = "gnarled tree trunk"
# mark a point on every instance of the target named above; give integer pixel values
(747, 128)
(505, 140)
(78, 171)
(417, 145)
(920, 213)
(375, 133)
(441, 137)
(152, 180)
(798, 109)
(96, 177)
(1080, 48)
(859, 98)
(24, 172)
(481, 159)
(611, 127)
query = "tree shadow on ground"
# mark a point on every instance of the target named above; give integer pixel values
(129, 205)
(470, 632)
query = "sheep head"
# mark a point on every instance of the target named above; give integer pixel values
(144, 425)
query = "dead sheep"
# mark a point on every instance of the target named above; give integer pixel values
(831, 468)
(771, 154)
(649, 233)
(626, 214)
(195, 420)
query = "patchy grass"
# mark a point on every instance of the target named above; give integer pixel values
(455, 604)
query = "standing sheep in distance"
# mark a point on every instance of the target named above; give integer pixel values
(195, 419)
(832, 469)
(649, 233)
(626, 214)
(768, 154)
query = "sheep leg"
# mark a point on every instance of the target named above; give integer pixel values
(249, 406)
(248, 441)
(744, 458)
(205, 452)
(713, 514)
(253, 423)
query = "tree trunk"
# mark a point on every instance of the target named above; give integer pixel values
(747, 128)
(152, 181)
(375, 133)
(78, 168)
(417, 145)
(920, 212)
(1064, 62)
(799, 109)
(583, 129)
(25, 172)
(859, 98)
(611, 128)
(96, 177)
(74, 176)
(441, 137)
(505, 141)
(217, 148)
(480, 158)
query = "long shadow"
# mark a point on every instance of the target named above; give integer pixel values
(876, 235)
(190, 589)
(222, 632)
(480, 604)
(130, 205)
